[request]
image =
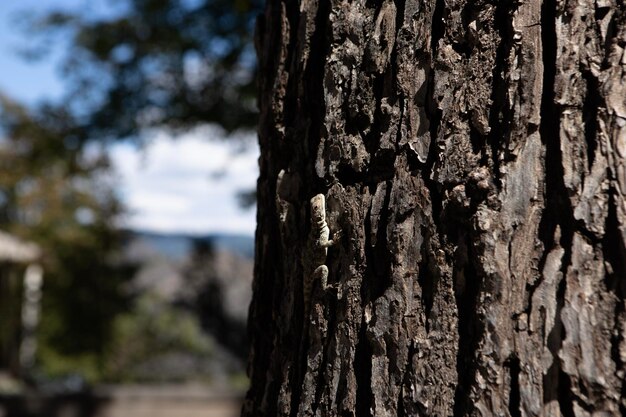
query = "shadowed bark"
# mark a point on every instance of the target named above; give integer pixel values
(473, 154)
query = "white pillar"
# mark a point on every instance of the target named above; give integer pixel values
(33, 280)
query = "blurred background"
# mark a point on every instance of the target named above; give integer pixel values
(128, 162)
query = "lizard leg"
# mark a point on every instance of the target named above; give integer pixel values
(321, 275)
(326, 242)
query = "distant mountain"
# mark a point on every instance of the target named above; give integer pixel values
(178, 246)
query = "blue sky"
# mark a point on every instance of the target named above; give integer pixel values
(183, 184)
(21, 79)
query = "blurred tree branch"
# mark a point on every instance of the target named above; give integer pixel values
(159, 63)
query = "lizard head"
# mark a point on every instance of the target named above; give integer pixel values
(318, 208)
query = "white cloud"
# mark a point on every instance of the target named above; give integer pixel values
(189, 183)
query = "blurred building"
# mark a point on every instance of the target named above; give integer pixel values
(20, 294)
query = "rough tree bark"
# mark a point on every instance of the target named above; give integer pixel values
(474, 155)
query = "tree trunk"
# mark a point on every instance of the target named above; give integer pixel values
(473, 156)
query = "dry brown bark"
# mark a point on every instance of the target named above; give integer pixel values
(474, 156)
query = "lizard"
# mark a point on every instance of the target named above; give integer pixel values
(315, 263)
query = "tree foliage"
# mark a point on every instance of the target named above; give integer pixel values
(58, 196)
(171, 63)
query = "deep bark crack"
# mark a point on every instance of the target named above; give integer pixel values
(313, 101)
(500, 115)
(470, 324)
(513, 363)
(558, 210)
(427, 278)
(590, 115)
(363, 373)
